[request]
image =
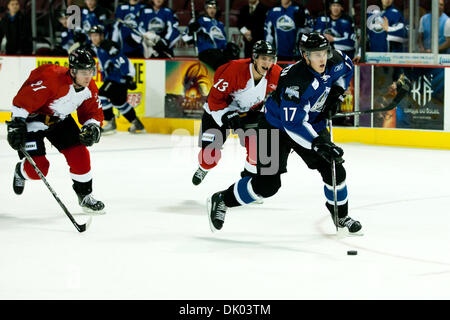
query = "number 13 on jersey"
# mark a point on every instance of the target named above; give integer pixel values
(221, 85)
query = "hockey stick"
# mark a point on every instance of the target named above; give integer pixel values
(139, 33)
(80, 227)
(333, 178)
(195, 33)
(403, 86)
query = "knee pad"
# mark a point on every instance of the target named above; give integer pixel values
(79, 161)
(325, 171)
(42, 163)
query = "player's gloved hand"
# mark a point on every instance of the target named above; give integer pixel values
(161, 46)
(90, 134)
(17, 131)
(334, 100)
(193, 27)
(232, 120)
(79, 36)
(328, 150)
(129, 82)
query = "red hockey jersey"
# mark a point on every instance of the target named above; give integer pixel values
(49, 90)
(234, 88)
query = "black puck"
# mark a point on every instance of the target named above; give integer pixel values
(352, 252)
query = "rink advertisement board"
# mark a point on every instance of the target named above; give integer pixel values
(187, 88)
(136, 98)
(423, 108)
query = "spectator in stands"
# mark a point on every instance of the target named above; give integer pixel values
(159, 26)
(122, 32)
(251, 24)
(16, 28)
(212, 45)
(424, 38)
(282, 28)
(338, 28)
(93, 15)
(387, 29)
(67, 34)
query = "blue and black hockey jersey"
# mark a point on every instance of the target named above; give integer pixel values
(129, 14)
(162, 22)
(210, 35)
(343, 31)
(301, 94)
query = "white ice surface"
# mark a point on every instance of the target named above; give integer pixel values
(155, 243)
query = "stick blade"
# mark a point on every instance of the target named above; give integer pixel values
(85, 226)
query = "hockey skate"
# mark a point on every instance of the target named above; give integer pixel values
(136, 126)
(348, 226)
(110, 127)
(19, 180)
(199, 175)
(90, 205)
(216, 210)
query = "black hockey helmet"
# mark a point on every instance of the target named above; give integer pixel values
(264, 48)
(314, 42)
(341, 2)
(97, 29)
(81, 59)
(211, 3)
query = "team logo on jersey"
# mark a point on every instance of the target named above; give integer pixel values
(318, 106)
(338, 67)
(285, 23)
(375, 21)
(216, 33)
(130, 19)
(86, 26)
(293, 91)
(325, 77)
(156, 25)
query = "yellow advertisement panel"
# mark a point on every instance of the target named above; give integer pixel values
(136, 98)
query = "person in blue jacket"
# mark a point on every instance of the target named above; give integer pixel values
(129, 13)
(211, 39)
(118, 77)
(338, 28)
(308, 93)
(386, 29)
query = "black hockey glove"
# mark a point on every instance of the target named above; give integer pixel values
(232, 120)
(79, 36)
(129, 82)
(17, 131)
(90, 134)
(328, 150)
(193, 27)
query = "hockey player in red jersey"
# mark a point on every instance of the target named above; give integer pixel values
(234, 102)
(42, 109)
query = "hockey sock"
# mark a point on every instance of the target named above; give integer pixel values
(240, 193)
(79, 161)
(127, 111)
(108, 114)
(342, 197)
(250, 161)
(28, 170)
(208, 158)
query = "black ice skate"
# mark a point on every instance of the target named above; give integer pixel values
(90, 205)
(216, 211)
(110, 126)
(19, 180)
(352, 227)
(199, 175)
(136, 126)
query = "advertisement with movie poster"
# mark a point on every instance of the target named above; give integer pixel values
(187, 88)
(136, 98)
(422, 108)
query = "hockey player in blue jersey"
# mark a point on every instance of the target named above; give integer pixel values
(308, 92)
(158, 26)
(212, 45)
(93, 15)
(129, 13)
(338, 28)
(118, 77)
(386, 29)
(282, 28)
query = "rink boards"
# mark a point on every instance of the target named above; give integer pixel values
(170, 94)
